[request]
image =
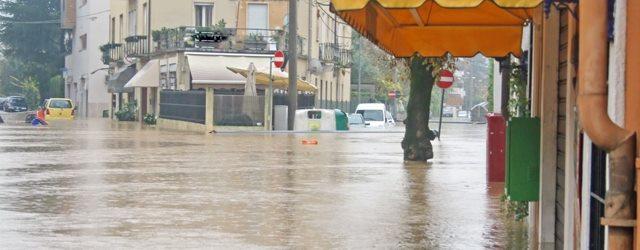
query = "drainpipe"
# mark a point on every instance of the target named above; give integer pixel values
(592, 108)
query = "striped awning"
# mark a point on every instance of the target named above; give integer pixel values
(433, 28)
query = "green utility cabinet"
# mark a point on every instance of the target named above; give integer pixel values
(523, 159)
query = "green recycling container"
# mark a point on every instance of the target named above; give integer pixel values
(523, 159)
(342, 121)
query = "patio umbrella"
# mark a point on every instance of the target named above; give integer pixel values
(280, 79)
(433, 28)
(250, 106)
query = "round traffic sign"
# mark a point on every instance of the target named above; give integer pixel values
(278, 59)
(446, 79)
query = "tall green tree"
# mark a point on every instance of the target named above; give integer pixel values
(31, 41)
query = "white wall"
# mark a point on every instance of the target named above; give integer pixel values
(91, 19)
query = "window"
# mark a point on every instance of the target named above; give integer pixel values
(163, 76)
(60, 104)
(172, 79)
(113, 30)
(145, 19)
(133, 26)
(257, 18)
(371, 115)
(83, 42)
(120, 30)
(168, 76)
(204, 15)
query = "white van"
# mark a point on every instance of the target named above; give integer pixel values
(376, 115)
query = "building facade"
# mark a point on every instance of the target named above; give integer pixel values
(167, 35)
(85, 25)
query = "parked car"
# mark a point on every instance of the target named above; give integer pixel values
(448, 111)
(463, 113)
(59, 108)
(2, 101)
(357, 121)
(375, 114)
(15, 104)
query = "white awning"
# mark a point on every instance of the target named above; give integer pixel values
(147, 77)
(212, 69)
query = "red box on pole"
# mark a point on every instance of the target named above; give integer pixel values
(496, 140)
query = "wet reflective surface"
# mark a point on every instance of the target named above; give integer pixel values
(107, 184)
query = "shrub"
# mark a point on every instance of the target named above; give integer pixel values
(150, 119)
(128, 112)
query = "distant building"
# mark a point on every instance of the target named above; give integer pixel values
(85, 24)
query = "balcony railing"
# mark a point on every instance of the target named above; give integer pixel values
(112, 53)
(219, 40)
(136, 46)
(334, 53)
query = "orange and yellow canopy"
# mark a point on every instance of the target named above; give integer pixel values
(433, 28)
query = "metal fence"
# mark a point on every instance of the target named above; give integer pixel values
(238, 110)
(187, 106)
(305, 101)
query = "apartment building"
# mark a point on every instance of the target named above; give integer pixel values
(156, 43)
(85, 25)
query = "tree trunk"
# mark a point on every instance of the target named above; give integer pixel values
(416, 143)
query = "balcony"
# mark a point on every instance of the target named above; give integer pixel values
(335, 53)
(136, 46)
(112, 53)
(207, 39)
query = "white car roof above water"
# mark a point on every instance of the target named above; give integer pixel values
(371, 106)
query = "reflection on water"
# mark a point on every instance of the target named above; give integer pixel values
(101, 183)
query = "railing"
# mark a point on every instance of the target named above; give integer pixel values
(136, 46)
(214, 39)
(301, 45)
(187, 106)
(332, 53)
(305, 101)
(112, 52)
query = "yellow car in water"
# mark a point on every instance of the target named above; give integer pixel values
(59, 108)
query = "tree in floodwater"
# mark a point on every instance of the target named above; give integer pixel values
(423, 74)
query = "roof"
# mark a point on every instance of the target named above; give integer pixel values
(371, 106)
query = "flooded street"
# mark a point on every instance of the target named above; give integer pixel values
(99, 184)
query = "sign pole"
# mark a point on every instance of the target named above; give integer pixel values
(270, 101)
(441, 110)
(445, 82)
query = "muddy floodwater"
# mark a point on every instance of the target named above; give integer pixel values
(103, 184)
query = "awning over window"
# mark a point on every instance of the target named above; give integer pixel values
(116, 81)
(436, 27)
(147, 77)
(212, 69)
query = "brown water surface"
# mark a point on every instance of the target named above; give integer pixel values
(98, 183)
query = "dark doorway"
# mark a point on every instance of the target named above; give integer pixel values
(596, 199)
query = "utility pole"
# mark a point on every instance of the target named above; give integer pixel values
(293, 63)
(336, 54)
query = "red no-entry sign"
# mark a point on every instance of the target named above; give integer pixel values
(278, 59)
(392, 94)
(446, 79)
